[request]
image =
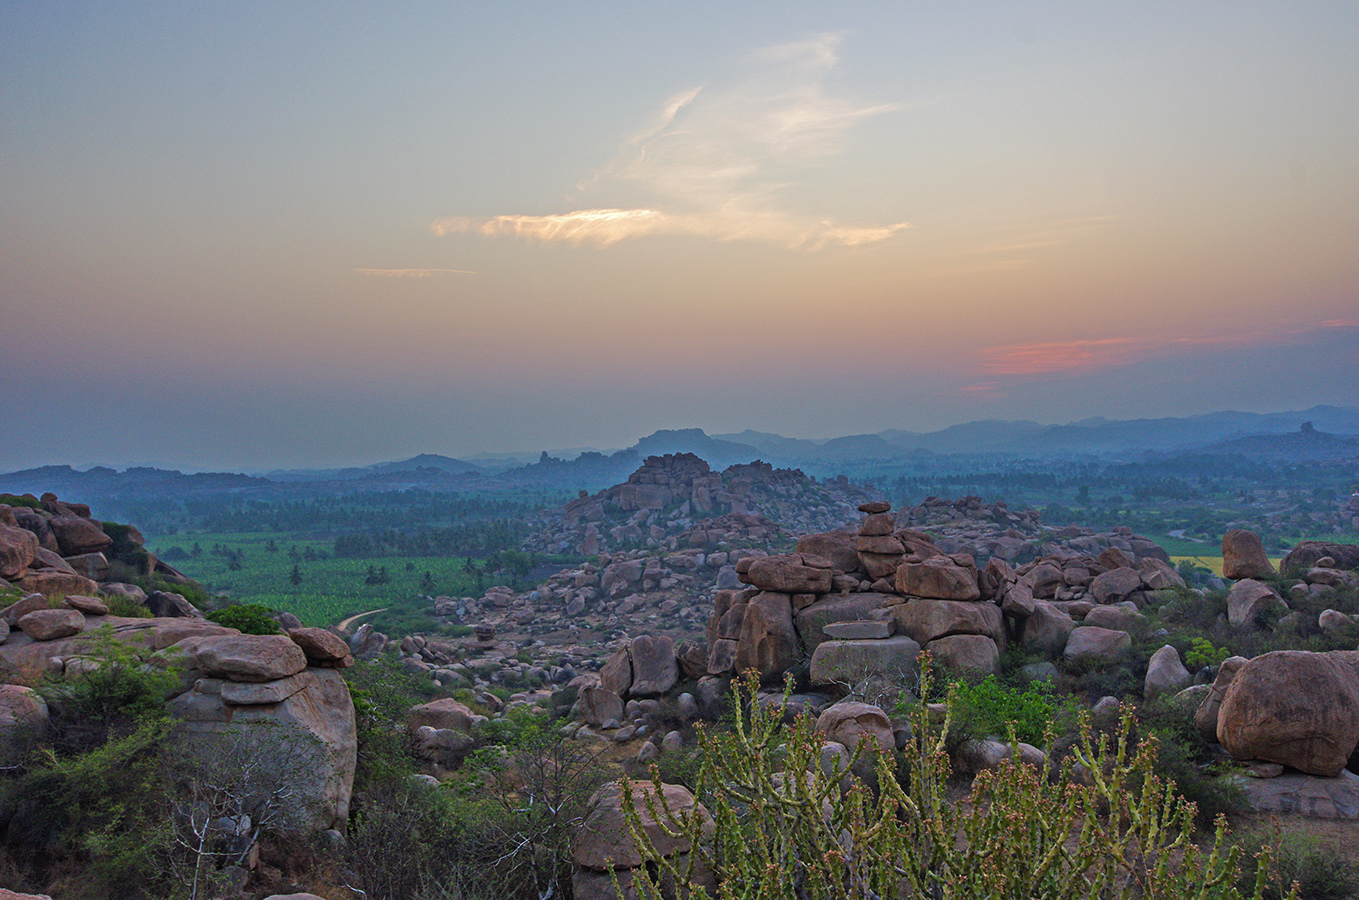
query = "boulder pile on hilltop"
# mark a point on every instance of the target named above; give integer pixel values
(673, 501)
(48, 546)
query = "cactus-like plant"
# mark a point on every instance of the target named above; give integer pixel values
(1104, 827)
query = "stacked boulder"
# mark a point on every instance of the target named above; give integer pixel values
(52, 547)
(232, 687)
(863, 604)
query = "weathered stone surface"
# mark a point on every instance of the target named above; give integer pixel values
(655, 669)
(1017, 600)
(849, 722)
(880, 565)
(48, 559)
(837, 546)
(51, 624)
(7, 894)
(22, 607)
(938, 578)
(1118, 618)
(55, 583)
(721, 656)
(90, 606)
(322, 648)
(859, 630)
(23, 722)
(256, 693)
(971, 654)
(851, 661)
(167, 605)
(76, 535)
(926, 620)
(1046, 629)
(18, 546)
(598, 705)
(1297, 794)
(1243, 556)
(616, 673)
(1115, 585)
(604, 839)
(1158, 575)
(768, 643)
(1165, 674)
(1309, 553)
(1296, 708)
(1205, 718)
(1250, 600)
(812, 620)
(249, 657)
(1099, 644)
(310, 736)
(788, 574)
(442, 714)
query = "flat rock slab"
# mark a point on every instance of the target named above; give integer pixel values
(250, 657)
(1304, 795)
(860, 630)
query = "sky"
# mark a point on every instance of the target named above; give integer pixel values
(250, 235)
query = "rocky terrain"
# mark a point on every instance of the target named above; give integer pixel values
(693, 583)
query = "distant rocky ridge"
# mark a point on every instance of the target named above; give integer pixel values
(672, 501)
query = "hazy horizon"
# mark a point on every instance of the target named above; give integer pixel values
(302, 235)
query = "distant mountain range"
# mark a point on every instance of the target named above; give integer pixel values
(1316, 434)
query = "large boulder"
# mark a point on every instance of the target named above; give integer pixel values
(1046, 629)
(1306, 554)
(322, 648)
(444, 714)
(793, 573)
(837, 546)
(1243, 556)
(851, 662)
(655, 668)
(768, 642)
(965, 654)
(51, 624)
(605, 840)
(1205, 717)
(1115, 585)
(1099, 645)
(812, 620)
(249, 657)
(1249, 601)
(849, 722)
(1165, 674)
(938, 577)
(308, 738)
(1294, 707)
(76, 535)
(926, 620)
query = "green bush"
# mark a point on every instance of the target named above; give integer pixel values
(20, 500)
(247, 618)
(988, 707)
(126, 607)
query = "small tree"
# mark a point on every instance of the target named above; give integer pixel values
(295, 577)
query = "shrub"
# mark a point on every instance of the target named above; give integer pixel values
(126, 607)
(1318, 870)
(988, 707)
(1202, 653)
(247, 618)
(783, 829)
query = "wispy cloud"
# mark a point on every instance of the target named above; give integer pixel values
(1015, 362)
(412, 273)
(716, 161)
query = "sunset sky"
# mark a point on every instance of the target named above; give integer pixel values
(246, 235)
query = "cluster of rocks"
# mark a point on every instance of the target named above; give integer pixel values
(677, 501)
(51, 547)
(229, 682)
(863, 605)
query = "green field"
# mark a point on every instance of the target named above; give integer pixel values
(330, 589)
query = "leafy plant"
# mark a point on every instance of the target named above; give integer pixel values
(247, 618)
(1202, 653)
